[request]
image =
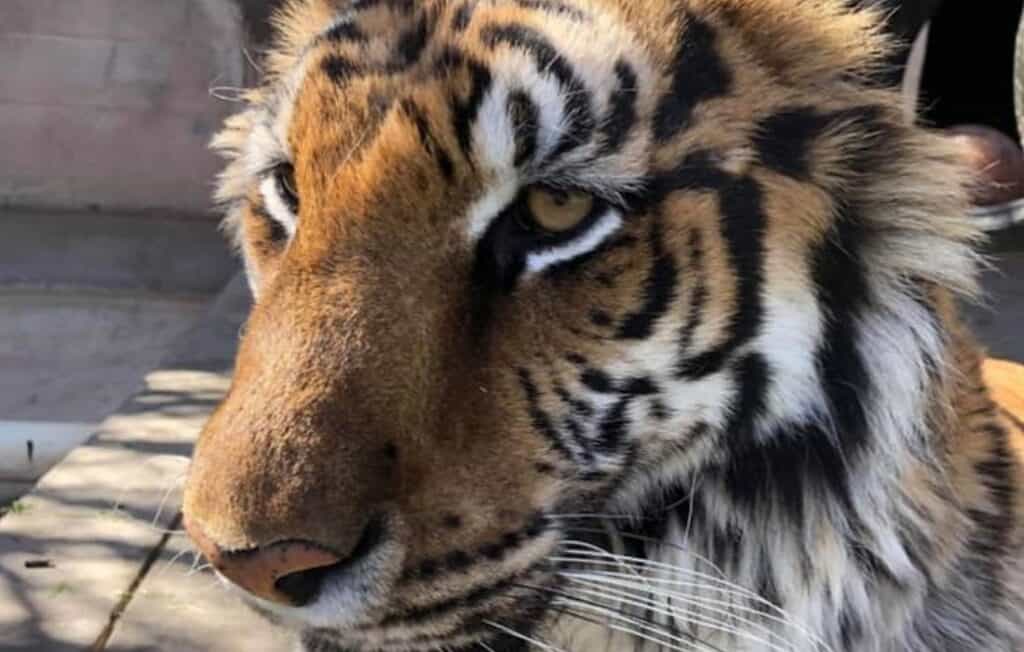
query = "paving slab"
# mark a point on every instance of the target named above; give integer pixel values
(76, 553)
(172, 593)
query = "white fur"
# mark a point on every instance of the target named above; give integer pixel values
(275, 205)
(604, 227)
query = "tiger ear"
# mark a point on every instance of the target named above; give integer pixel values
(810, 41)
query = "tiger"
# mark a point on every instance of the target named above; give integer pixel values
(602, 325)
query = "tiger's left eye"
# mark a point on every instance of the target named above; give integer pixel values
(558, 211)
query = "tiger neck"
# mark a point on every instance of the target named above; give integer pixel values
(832, 527)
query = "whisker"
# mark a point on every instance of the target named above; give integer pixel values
(252, 60)
(591, 550)
(609, 611)
(660, 544)
(621, 579)
(232, 94)
(625, 598)
(170, 562)
(651, 632)
(627, 562)
(523, 637)
(702, 604)
(163, 503)
(710, 582)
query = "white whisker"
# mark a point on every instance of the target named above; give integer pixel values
(708, 605)
(624, 597)
(721, 586)
(630, 563)
(643, 630)
(523, 637)
(623, 580)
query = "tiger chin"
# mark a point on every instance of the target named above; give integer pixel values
(604, 325)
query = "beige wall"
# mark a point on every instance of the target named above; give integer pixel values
(105, 104)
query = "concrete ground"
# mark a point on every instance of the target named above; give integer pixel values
(88, 304)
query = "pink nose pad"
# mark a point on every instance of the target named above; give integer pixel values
(288, 573)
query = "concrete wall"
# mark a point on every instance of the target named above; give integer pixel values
(106, 104)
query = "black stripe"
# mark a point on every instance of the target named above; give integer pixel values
(468, 600)
(541, 420)
(789, 466)
(698, 298)
(412, 42)
(404, 6)
(784, 140)
(614, 425)
(441, 157)
(575, 430)
(554, 7)
(549, 60)
(339, 69)
(526, 121)
(464, 112)
(601, 318)
(743, 225)
(578, 406)
(659, 291)
(463, 15)
(622, 112)
(840, 281)
(344, 32)
(278, 235)
(597, 381)
(459, 560)
(699, 74)
(696, 171)
(752, 376)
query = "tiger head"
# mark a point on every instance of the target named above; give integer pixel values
(520, 261)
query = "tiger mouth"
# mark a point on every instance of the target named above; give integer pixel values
(500, 615)
(496, 612)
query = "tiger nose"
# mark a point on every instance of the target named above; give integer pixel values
(290, 573)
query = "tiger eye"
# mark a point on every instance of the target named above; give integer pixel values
(558, 211)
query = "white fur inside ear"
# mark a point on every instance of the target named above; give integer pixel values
(584, 243)
(275, 205)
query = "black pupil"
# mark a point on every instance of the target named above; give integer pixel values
(285, 175)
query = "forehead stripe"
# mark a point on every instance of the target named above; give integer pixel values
(699, 74)
(622, 113)
(526, 122)
(464, 112)
(548, 59)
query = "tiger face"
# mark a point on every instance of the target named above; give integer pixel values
(520, 260)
